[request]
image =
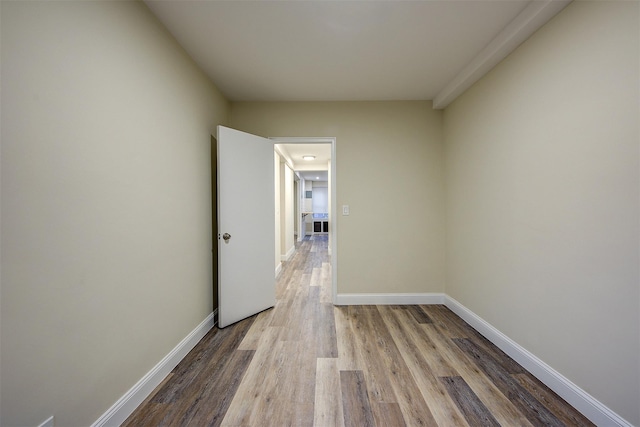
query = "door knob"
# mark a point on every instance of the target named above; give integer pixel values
(226, 237)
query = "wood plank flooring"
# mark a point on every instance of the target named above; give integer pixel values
(308, 363)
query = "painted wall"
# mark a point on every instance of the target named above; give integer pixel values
(106, 224)
(106, 204)
(277, 182)
(393, 240)
(287, 227)
(330, 207)
(301, 208)
(308, 201)
(542, 187)
(284, 202)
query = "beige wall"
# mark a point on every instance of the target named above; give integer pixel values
(542, 187)
(393, 240)
(106, 204)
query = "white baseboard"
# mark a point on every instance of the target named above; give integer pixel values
(49, 422)
(278, 268)
(590, 407)
(389, 299)
(125, 406)
(286, 257)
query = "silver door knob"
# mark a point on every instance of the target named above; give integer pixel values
(226, 237)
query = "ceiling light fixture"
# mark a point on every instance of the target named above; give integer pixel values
(308, 157)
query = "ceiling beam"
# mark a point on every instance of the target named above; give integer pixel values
(534, 16)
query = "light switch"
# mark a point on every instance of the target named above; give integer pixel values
(345, 209)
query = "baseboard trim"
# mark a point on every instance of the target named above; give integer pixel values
(590, 407)
(125, 406)
(389, 299)
(286, 257)
(278, 268)
(49, 422)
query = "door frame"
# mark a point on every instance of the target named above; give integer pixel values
(333, 229)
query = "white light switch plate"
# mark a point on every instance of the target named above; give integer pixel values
(345, 209)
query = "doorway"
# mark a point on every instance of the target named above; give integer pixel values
(303, 146)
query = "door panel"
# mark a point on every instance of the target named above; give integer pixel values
(214, 219)
(246, 213)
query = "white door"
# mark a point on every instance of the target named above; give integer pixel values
(246, 225)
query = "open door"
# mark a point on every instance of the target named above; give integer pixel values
(246, 225)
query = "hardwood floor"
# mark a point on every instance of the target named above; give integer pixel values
(308, 363)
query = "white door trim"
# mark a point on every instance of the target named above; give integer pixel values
(333, 229)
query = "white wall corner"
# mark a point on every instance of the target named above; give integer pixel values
(125, 406)
(390, 299)
(590, 407)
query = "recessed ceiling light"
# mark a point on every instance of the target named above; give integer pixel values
(308, 157)
(317, 177)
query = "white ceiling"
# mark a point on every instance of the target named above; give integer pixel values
(321, 50)
(316, 169)
(314, 176)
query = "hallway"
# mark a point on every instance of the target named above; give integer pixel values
(308, 363)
